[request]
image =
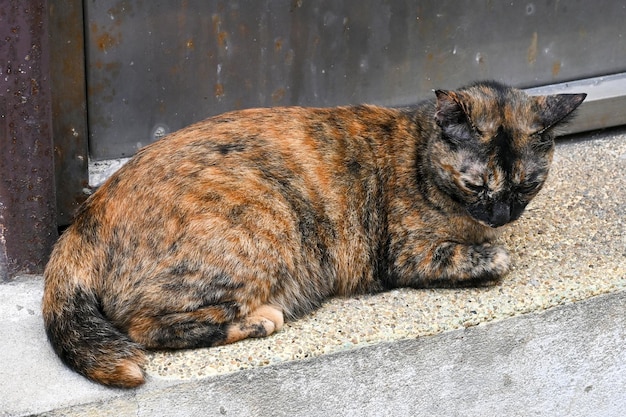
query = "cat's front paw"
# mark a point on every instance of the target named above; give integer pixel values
(489, 262)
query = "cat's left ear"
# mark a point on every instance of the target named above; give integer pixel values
(450, 108)
(555, 108)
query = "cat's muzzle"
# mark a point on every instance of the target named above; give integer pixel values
(495, 214)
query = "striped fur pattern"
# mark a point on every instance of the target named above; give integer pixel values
(224, 229)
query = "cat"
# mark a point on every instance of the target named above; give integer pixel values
(222, 230)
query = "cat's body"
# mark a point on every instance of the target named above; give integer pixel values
(220, 230)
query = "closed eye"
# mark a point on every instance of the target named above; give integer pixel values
(476, 129)
(528, 187)
(477, 188)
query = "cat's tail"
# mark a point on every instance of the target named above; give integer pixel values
(79, 331)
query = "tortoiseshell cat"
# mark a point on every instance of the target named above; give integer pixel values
(219, 231)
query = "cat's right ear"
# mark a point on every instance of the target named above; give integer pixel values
(448, 110)
(452, 117)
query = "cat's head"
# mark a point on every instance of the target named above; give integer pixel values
(495, 147)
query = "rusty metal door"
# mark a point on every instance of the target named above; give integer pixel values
(156, 66)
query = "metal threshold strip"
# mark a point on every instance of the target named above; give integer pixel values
(605, 105)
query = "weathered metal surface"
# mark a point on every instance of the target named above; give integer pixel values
(155, 66)
(69, 102)
(27, 199)
(604, 106)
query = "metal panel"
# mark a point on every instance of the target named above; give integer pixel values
(69, 102)
(604, 106)
(27, 200)
(155, 66)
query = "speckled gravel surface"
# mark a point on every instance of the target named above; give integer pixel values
(569, 245)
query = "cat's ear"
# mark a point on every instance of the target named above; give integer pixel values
(450, 109)
(556, 108)
(452, 116)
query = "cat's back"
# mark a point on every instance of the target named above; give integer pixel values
(320, 153)
(303, 186)
(296, 130)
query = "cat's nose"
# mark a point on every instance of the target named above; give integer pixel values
(500, 214)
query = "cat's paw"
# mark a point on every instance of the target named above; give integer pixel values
(457, 264)
(490, 262)
(262, 322)
(270, 316)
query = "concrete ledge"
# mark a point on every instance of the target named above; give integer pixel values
(567, 361)
(570, 361)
